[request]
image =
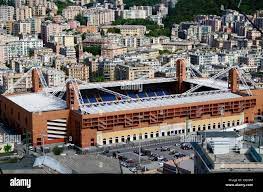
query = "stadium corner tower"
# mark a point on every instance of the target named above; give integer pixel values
(94, 114)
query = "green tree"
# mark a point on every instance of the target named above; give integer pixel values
(130, 3)
(62, 5)
(7, 148)
(57, 150)
(114, 30)
(94, 49)
(82, 20)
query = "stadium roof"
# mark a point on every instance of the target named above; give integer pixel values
(216, 84)
(160, 101)
(37, 102)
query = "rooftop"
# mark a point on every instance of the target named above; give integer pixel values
(216, 84)
(37, 102)
(158, 101)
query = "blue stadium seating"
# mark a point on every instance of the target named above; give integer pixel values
(132, 94)
(159, 92)
(108, 97)
(92, 99)
(142, 94)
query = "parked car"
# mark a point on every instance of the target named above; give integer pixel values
(133, 169)
(177, 144)
(160, 158)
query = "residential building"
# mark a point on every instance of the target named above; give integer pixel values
(7, 13)
(134, 70)
(80, 72)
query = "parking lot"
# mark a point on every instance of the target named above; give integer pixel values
(151, 157)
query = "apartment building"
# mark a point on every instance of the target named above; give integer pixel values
(19, 47)
(22, 27)
(39, 10)
(99, 16)
(54, 77)
(110, 51)
(23, 13)
(134, 70)
(80, 72)
(71, 12)
(7, 13)
(48, 29)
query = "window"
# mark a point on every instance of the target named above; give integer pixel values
(209, 126)
(140, 136)
(163, 134)
(228, 123)
(151, 134)
(175, 132)
(168, 133)
(179, 131)
(122, 139)
(110, 141)
(183, 131)
(134, 137)
(224, 124)
(172, 132)
(214, 126)
(145, 135)
(128, 138)
(233, 123)
(218, 126)
(237, 122)
(116, 140)
(92, 142)
(204, 126)
(199, 127)
(104, 142)
(157, 134)
(188, 130)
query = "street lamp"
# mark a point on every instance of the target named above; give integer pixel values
(42, 134)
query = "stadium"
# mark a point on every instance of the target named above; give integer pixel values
(96, 114)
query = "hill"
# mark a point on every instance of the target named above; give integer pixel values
(185, 10)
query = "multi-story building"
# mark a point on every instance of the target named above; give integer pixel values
(107, 68)
(259, 22)
(22, 27)
(68, 52)
(7, 13)
(148, 9)
(48, 29)
(71, 12)
(110, 51)
(80, 72)
(134, 14)
(18, 48)
(204, 58)
(54, 77)
(99, 16)
(36, 24)
(178, 45)
(39, 10)
(23, 13)
(33, 3)
(222, 152)
(63, 40)
(134, 70)
(130, 30)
